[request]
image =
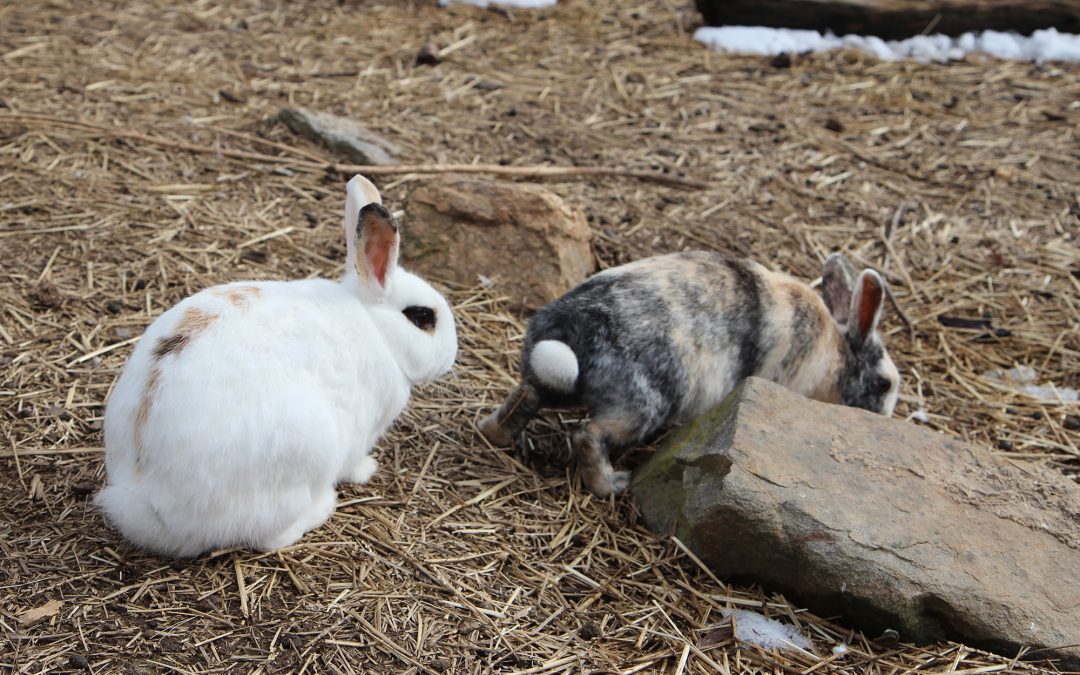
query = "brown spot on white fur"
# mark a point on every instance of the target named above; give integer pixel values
(193, 323)
(143, 414)
(239, 296)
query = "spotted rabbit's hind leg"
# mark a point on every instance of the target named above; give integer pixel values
(610, 430)
(520, 406)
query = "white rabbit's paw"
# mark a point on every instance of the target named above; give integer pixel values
(361, 471)
(288, 537)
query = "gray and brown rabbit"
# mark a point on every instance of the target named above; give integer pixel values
(662, 340)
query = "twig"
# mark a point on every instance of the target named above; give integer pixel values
(367, 169)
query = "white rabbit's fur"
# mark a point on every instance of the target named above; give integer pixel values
(242, 406)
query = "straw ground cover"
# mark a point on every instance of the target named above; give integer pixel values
(958, 181)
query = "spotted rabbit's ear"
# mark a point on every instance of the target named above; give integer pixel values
(378, 241)
(866, 304)
(837, 279)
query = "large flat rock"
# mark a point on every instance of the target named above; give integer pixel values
(894, 19)
(885, 523)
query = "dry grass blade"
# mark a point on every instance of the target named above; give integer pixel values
(367, 169)
(141, 159)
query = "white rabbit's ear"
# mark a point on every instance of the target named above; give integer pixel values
(866, 304)
(836, 282)
(377, 244)
(359, 192)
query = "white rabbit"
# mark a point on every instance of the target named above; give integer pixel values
(244, 405)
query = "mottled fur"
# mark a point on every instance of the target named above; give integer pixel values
(664, 339)
(239, 296)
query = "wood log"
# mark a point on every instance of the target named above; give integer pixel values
(896, 19)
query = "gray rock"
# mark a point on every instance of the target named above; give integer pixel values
(342, 135)
(883, 522)
(522, 237)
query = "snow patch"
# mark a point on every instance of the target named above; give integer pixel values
(521, 4)
(766, 633)
(1022, 378)
(1042, 45)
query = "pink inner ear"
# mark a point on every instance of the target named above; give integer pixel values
(379, 255)
(379, 246)
(869, 301)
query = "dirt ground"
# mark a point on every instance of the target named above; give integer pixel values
(960, 181)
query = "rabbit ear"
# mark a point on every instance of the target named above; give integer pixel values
(866, 305)
(359, 192)
(836, 283)
(377, 243)
(371, 235)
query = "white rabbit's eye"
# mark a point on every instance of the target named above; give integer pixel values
(421, 317)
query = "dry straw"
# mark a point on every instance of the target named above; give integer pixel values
(140, 160)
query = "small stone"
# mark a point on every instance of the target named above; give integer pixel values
(887, 638)
(589, 631)
(466, 627)
(227, 95)
(78, 662)
(348, 137)
(46, 296)
(57, 411)
(833, 124)
(781, 60)
(255, 256)
(83, 489)
(290, 641)
(428, 55)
